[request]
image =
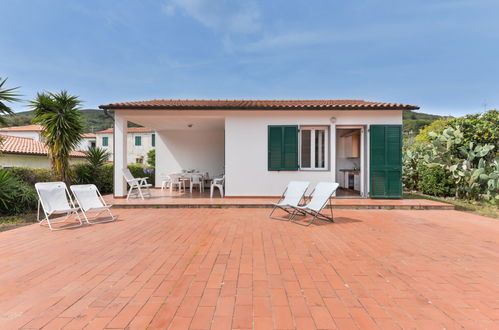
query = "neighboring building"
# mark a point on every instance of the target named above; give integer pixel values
(29, 131)
(27, 152)
(140, 141)
(88, 141)
(262, 145)
(34, 132)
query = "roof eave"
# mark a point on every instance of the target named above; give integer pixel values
(281, 108)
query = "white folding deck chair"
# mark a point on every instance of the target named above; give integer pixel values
(136, 184)
(90, 200)
(319, 199)
(292, 195)
(54, 199)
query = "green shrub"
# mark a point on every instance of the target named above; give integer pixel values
(102, 177)
(435, 181)
(31, 175)
(15, 196)
(151, 158)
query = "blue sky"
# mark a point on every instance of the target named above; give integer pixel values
(442, 55)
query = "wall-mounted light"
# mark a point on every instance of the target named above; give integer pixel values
(333, 120)
(189, 125)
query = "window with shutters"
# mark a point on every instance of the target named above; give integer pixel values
(138, 141)
(291, 149)
(314, 146)
(153, 140)
(105, 141)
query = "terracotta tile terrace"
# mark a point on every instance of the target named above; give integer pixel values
(175, 199)
(236, 269)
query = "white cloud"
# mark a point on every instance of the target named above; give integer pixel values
(228, 16)
(288, 40)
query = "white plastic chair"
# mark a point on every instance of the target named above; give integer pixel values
(136, 184)
(90, 200)
(292, 195)
(197, 179)
(217, 183)
(319, 199)
(177, 180)
(54, 199)
(165, 184)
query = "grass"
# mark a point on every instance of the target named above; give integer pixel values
(12, 221)
(480, 208)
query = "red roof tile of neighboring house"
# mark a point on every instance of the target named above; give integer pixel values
(88, 135)
(27, 128)
(27, 146)
(259, 105)
(130, 130)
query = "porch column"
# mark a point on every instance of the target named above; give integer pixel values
(120, 154)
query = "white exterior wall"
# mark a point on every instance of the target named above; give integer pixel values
(178, 150)
(134, 152)
(26, 134)
(31, 161)
(85, 144)
(246, 146)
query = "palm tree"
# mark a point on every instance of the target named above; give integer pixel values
(6, 95)
(97, 157)
(63, 126)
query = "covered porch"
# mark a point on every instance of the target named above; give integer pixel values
(194, 142)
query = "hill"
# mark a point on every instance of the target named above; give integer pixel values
(414, 121)
(95, 119)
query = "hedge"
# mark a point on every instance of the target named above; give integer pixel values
(22, 182)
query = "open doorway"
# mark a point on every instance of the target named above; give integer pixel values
(349, 161)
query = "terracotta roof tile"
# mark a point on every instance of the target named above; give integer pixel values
(259, 105)
(130, 130)
(27, 146)
(27, 128)
(88, 135)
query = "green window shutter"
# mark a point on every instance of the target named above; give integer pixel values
(283, 148)
(153, 140)
(290, 148)
(385, 161)
(105, 141)
(138, 140)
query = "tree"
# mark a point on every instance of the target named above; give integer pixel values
(7, 95)
(63, 126)
(97, 157)
(151, 157)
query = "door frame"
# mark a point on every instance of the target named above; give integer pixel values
(363, 157)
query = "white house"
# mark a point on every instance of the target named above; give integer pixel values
(140, 141)
(261, 145)
(34, 132)
(16, 151)
(28, 131)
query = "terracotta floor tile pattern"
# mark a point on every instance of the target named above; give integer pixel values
(236, 269)
(163, 198)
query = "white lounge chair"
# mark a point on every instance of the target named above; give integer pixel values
(319, 199)
(217, 183)
(136, 184)
(54, 199)
(90, 200)
(292, 195)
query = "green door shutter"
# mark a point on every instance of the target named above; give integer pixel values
(275, 148)
(385, 161)
(283, 148)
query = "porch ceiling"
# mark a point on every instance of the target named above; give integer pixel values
(163, 123)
